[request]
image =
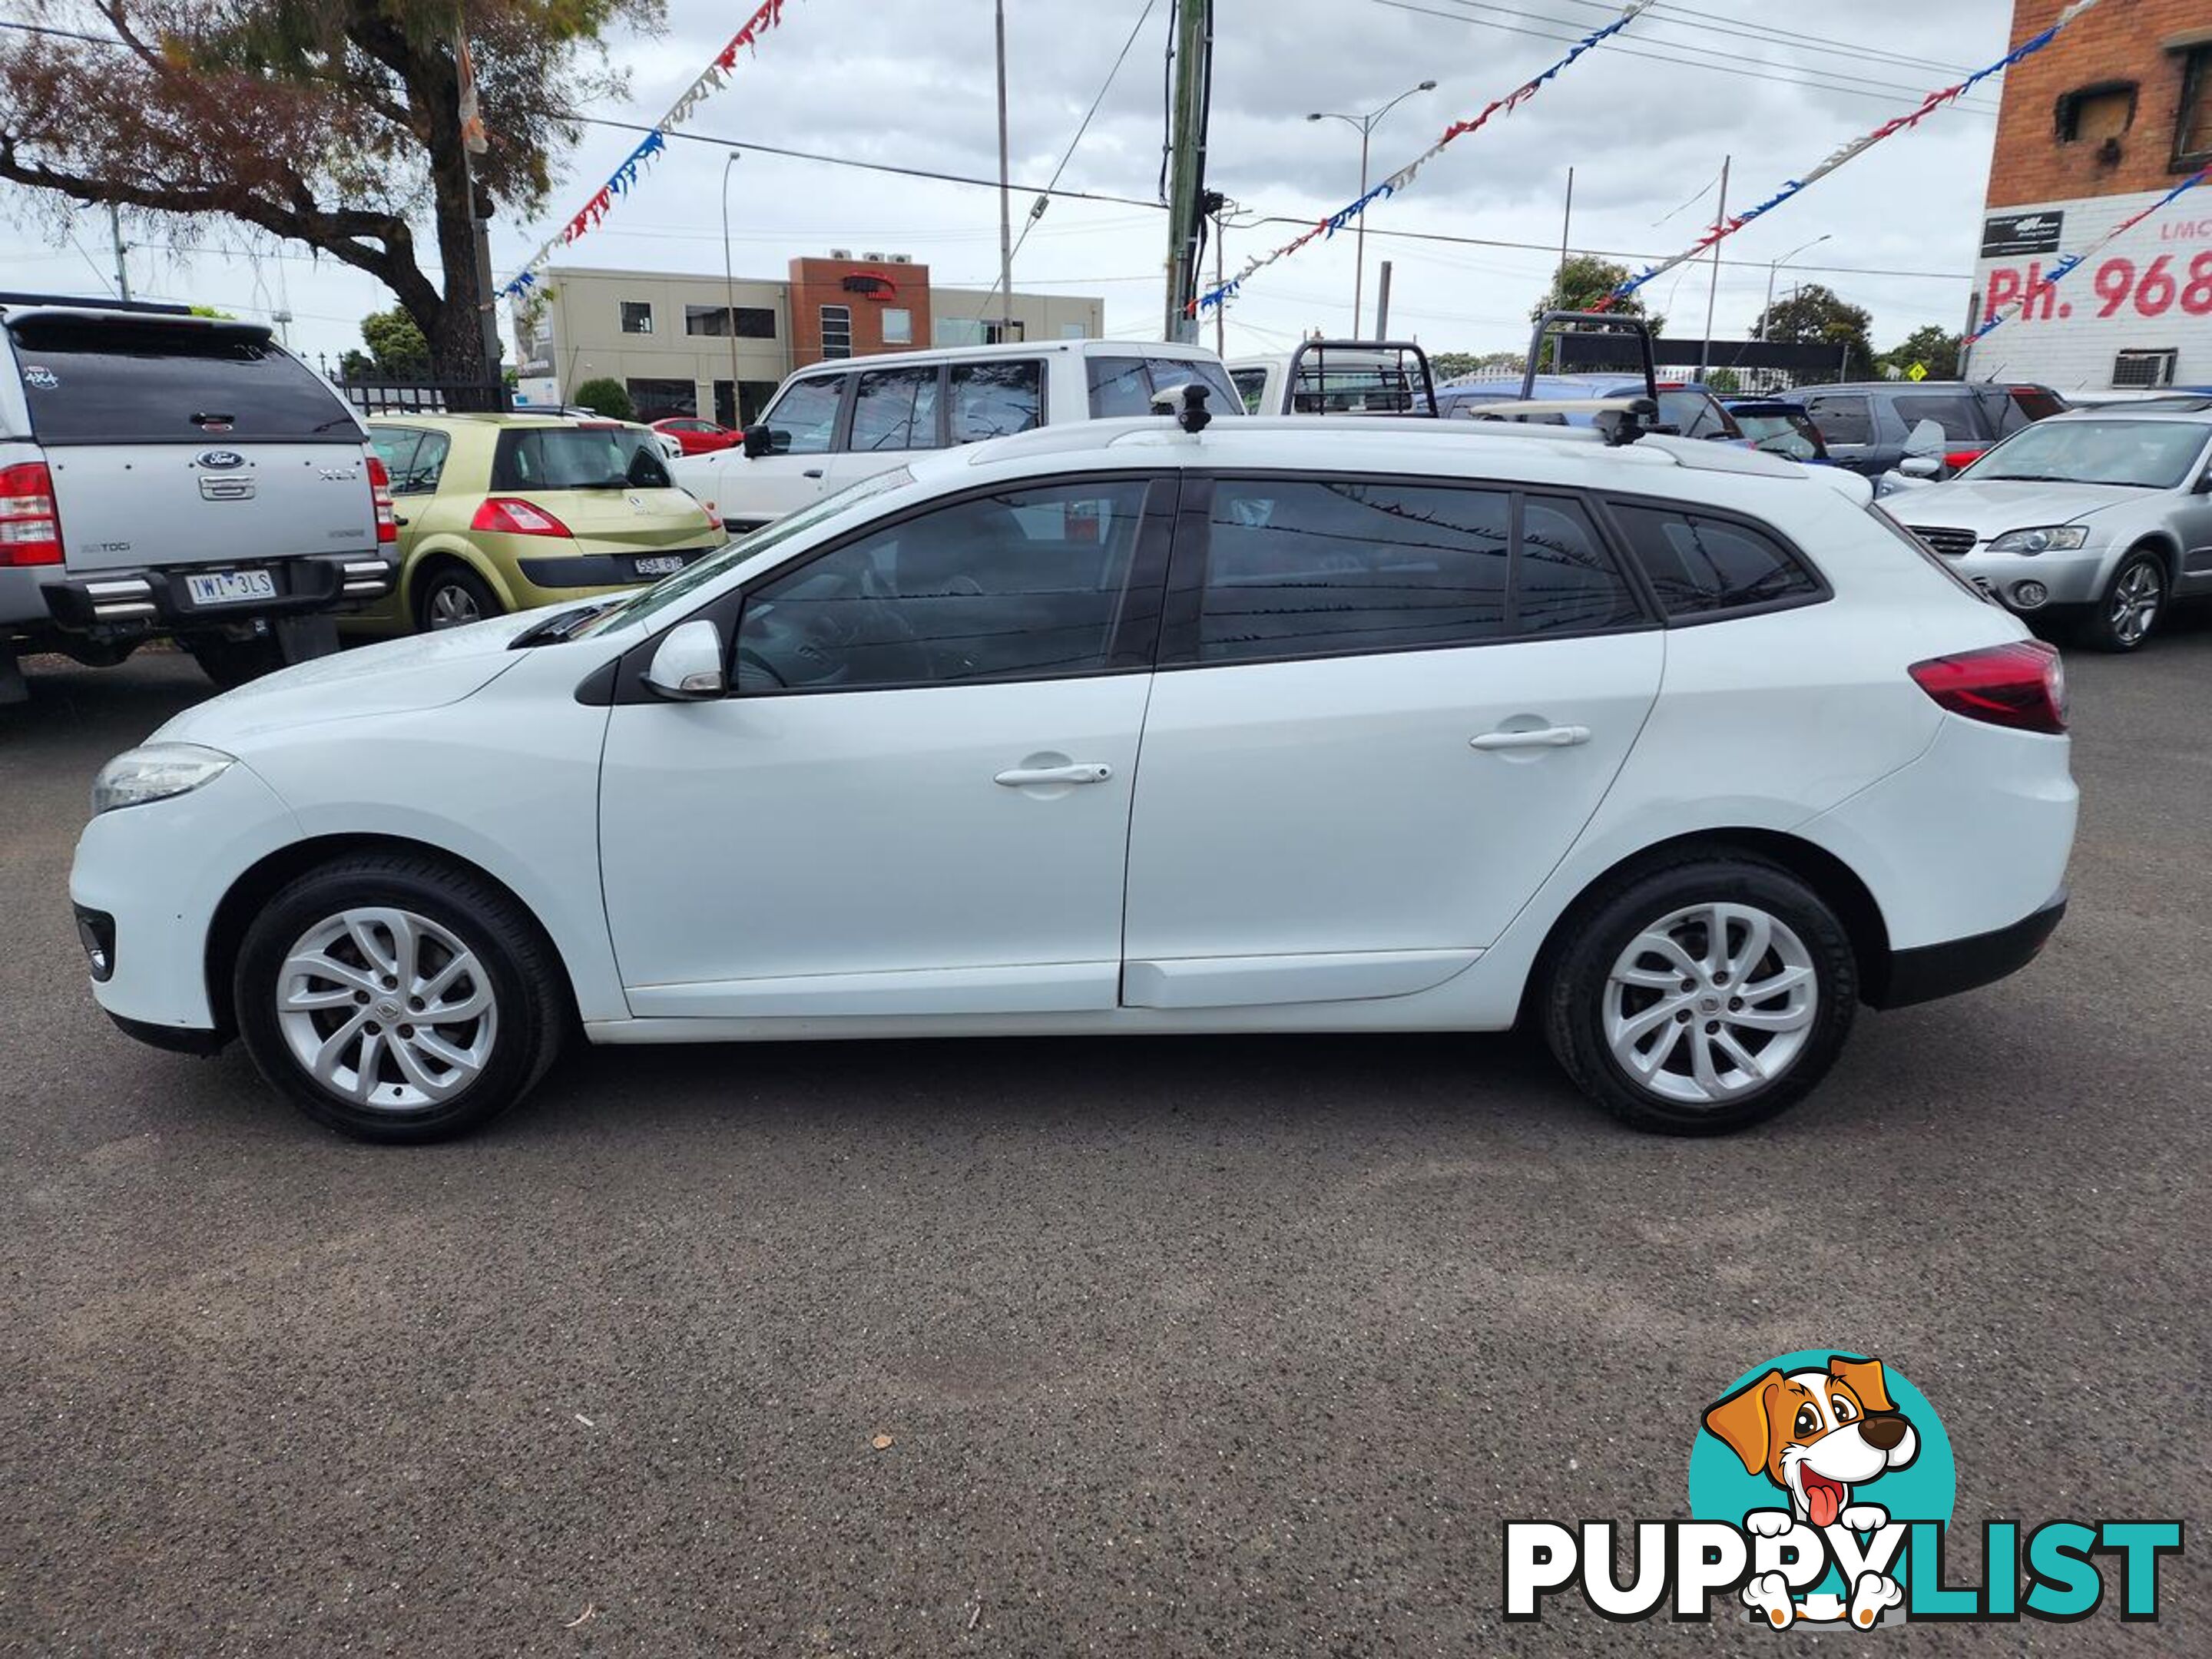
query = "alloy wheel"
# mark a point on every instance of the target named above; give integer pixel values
(2136, 600)
(1711, 1003)
(386, 1008)
(453, 606)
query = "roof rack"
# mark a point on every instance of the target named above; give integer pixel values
(80, 302)
(1618, 420)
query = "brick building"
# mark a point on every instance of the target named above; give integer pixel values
(2095, 127)
(719, 347)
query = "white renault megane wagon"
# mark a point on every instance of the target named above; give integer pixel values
(1675, 752)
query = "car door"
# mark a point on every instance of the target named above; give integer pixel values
(2192, 525)
(1384, 711)
(1848, 425)
(896, 414)
(915, 799)
(747, 491)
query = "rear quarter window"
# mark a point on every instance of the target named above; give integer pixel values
(97, 382)
(1700, 566)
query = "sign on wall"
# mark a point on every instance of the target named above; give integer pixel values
(2150, 292)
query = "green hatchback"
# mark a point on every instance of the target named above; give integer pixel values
(502, 513)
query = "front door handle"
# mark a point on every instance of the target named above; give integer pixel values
(812, 472)
(1544, 737)
(1022, 777)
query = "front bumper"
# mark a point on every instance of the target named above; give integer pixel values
(2075, 578)
(160, 599)
(1930, 971)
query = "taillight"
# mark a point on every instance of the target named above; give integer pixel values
(2022, 685)
(512, 517)
(379, 493)
(30, 528)
(1958, 458)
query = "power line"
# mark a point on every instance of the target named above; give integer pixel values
(1767, 71)
(1719, 23)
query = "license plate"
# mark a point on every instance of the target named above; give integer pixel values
(660, 564)
(231, 587)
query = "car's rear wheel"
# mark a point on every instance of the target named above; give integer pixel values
(453, 596)
(2125, 616)
(399, 999)
(1702, 996)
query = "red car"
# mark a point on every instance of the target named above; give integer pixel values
(697, 437)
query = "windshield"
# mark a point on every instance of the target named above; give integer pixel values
(2147, 454)
(578, 458)
(650, 601)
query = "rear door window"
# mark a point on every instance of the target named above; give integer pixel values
(991, 400)
(138, 382)
(1699, 566)
(1844, 419)
(1564, 582)
(413, 457)
(894, 408)
(1959, 413)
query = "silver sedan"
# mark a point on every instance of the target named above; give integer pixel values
(2100, 517)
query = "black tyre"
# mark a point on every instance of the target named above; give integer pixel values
(453, 596)
(1702, 995)
(232, 663)
(2127, 612)
(399, 999)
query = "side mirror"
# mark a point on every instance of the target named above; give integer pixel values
(1920, 466)
(1926, 438)
(756, 441)
(687, 665)
(2203, 486)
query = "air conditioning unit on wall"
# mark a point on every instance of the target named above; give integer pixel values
(900, 259)
(840, 253)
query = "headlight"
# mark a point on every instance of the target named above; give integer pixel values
(2049, 538)
(155, 773)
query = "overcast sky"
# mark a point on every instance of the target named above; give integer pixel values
(909, 83)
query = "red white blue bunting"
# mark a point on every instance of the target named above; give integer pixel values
(620, 182)
(1404, 176)
(1851, 151)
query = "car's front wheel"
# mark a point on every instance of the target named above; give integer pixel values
(395, 997)
(2124, 618)
(1702, 996)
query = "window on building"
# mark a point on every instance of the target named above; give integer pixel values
(2104, 111)
(2192, 126)
(746, 322)
(837, 330)
(1074, 331)
(956, 331)
(898, 325)
(1698, 565)
(656, 400)
(745, 408)
(636, 317)
(2145, 368)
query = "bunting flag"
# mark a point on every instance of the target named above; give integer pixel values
(474, 139)
(1857, 147)
(2050, 277)
(1404, 176)
(622, 178)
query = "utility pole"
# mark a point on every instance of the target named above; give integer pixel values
(1382, 304)
(1220, 276)
(1193, 27)
(122, 270)
(1567, 219)
(1005, 198)
(1713, 292)
(730, 291)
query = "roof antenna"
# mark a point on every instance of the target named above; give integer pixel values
(1186, 402)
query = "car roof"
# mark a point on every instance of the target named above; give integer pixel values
(465, 421)
(2126, 412)
(1015, 349)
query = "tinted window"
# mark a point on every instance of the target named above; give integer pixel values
(113, 383)
(1008, 587)
(895, 409)
(1564, 581)
(1124, 386)
(578, 458)
(1697, 564)
(1298, 567)
(1843, 420)
(1957, 412)
(990, 400)
(2036, 404)
(803, 418)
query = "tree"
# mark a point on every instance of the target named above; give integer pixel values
(334, 122)
(1724, 382)
(1815, 315)
(1451, 365)
(395, 342)
(355, 365)
(1582, 279)
(606, 397)
(1934, 347)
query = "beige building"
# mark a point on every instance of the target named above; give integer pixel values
(700, 345)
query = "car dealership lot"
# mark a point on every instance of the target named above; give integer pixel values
(1178, 1344)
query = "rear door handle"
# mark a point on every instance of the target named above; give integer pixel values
(812, 472)
(1544, 737)
(1022, 777)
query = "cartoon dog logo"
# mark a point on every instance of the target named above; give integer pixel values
(1818, 1435)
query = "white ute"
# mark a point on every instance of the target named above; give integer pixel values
(1676, 753)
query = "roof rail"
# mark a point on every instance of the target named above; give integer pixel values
(1619, 420)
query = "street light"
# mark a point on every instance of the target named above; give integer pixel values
(729, 286)
(1774, 266)
(1366, 125)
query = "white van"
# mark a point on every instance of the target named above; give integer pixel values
(835, 422)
